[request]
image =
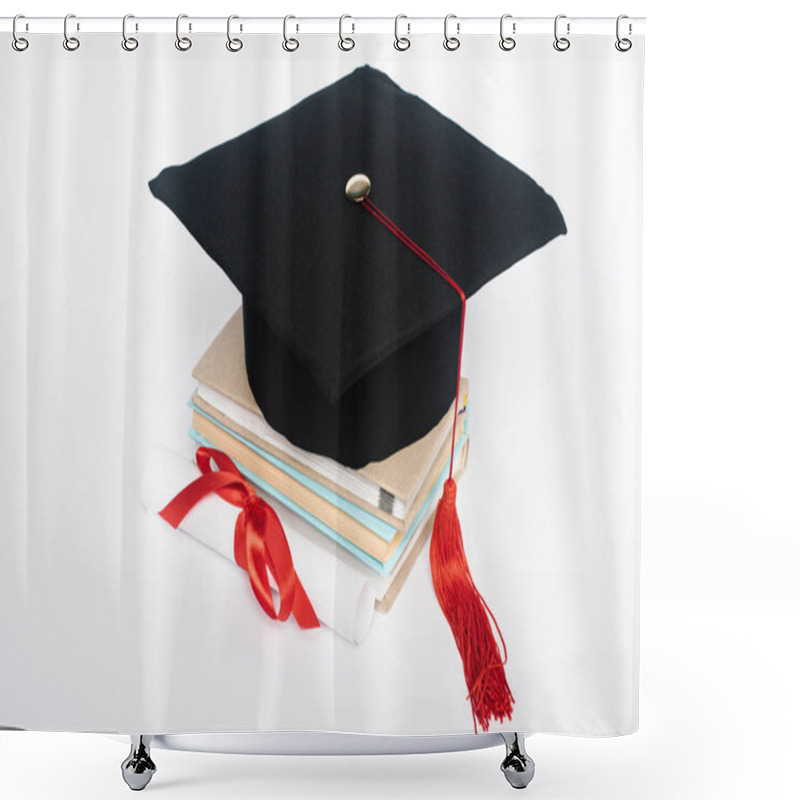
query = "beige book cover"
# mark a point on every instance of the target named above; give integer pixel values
(222, 368)
(360, 535)
(398, 523)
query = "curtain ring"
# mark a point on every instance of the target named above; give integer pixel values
(561, 43)
(18, 42)
(289, 44)
(70, 42)
(507, 42)
(451, 42)
(401, 42)
(233, 44)
(183, 43)
(623, 44)
(129, 43)
(346, 42)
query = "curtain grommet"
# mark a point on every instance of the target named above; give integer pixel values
(561, 43)
(346, 43)
(233, 44)
(129, 43)
(289, 44)
(401, 43)
(451, 43)
(507, 43)
(71, 43)
(19, 43)
(183, 43)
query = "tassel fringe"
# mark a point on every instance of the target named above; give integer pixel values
(469, 617)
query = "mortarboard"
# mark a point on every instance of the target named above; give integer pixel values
(353, 321)
(349, 340)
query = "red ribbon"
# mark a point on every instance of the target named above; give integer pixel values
(259, 542)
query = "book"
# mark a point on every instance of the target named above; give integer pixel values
(349, 523)
(388, 588)
(380, 522)
(388, 487)
(383, 568)
(384, 526)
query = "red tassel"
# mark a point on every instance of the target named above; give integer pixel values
(461, 602)
(468, 615)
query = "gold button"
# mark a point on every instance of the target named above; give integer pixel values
(357, 187)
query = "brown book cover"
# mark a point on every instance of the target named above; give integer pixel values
(348, 527)
(222, 368)
(416, 546)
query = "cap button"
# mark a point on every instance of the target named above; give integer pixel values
(357, 187)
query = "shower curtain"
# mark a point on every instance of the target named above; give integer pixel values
(322, 288)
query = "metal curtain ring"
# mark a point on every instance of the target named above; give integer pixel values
(451, 42)
(345, 42)
(623, 44)
(181, 42)
(507, 42)
(70, 42)
(401, 42)
(129, 43)
(233, 44)
(290, 44)
(18, 42)
(561, 43)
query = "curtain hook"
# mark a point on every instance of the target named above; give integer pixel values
(129, 43)
(561, 43)
(233, 44)
(623, 44)
(401, 42)
(181, 42)
(507, 42)
(346, 42)
(70, 42)
(451, 42)
(290, 44)
(18, 42)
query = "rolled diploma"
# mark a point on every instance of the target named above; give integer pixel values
(343, 598)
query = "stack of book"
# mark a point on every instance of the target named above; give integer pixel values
(380, 515)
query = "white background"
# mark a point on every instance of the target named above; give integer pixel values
(720, 598)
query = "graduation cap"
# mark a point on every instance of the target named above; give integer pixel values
(355, 225)
(349, 341)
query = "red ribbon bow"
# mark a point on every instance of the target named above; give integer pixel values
(259, 542)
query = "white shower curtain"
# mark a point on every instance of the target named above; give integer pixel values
(113, 621)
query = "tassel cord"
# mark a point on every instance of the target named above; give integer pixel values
(429, 260)
(471, 621)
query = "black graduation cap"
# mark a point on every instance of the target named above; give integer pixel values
(351, 341)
